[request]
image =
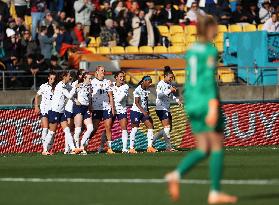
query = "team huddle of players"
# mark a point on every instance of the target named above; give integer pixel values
(91, 100)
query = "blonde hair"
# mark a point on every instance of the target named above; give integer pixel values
(203, 23)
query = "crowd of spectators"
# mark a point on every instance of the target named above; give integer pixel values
(56, 23)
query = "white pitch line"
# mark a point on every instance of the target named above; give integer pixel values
(140, 181)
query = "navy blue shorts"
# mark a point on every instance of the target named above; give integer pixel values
(137, 117)
(83, 110)
(120, 116)
(163, 115)
(101, 114)
(69, 115)
(56, 117)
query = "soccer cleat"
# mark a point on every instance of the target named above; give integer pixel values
(173, 185)
(151, 150)
(76, 151)
(83, 152)
(110, 151)
(221, 198)
(133, 151)
(125, 151)
(46, 153)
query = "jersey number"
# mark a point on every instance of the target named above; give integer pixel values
(193, 62)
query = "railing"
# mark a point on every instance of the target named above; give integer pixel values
(22, 80)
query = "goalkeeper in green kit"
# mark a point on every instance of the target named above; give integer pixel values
(204, 113)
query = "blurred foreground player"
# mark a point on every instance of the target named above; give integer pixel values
(204, 112)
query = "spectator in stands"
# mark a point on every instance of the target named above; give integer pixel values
(119, 7)
(265, 11)
(95, 28)
(78, 35)
(239, 16)
(28, 45)
(106, 13)
(224, 13)
(253, 14)
(65, 21)
(19, 26)
(132, 6)
(193, 13)
(46, 43)
(181, 14)
(109, 36)
(143, 32)
(13, 65)
(54, 64)
(11, 45)
(21, 8)
(2, 37)
(4, 11)
(83, 10)
(56, 6)
(272, 24)
(37, 12)
(63, 37)
(209, 6)
(49, 22)
(169, 14)
(123, 32)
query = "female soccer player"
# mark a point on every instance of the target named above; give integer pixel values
(82, 111)
(103, 104)
(120, 94)
(140, 113)
(69, 108)
(165, 93)
(204, 112)
(57, 114)
(46, 91)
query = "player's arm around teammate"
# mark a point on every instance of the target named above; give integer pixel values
(140, 113)
(46, 92)
(165, 93)
(57, 115)
(120, 95)
(204, 113)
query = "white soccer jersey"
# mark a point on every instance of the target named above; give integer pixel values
(120, 96)
(45, 91)
(60, 96)
(83, 94)
(164, 96)
(70, 103)
(143, 95)
(100, 98)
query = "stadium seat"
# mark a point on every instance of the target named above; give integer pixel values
(190, 39)
(92, 42)
(260, 27)
(222, 29)
(235, 28)
(160, 49)
(226, 75)
(103, 50)
(146, 49)
(136, 77)
(117, 50)
(127, 78)
(190, 30)
(98, 41)
(132, 49)
(178, 40)
(220, 46)
(164, 30)
(91, 49)
(28, 22)
(175, 29)
(179, 76)
(176, 49)
(249, 28)
(13, 11)
(219, 38)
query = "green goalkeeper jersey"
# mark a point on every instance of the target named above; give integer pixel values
(200, 85)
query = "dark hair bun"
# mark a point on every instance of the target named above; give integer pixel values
(167, 69)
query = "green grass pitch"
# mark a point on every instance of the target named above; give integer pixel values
(255, 163)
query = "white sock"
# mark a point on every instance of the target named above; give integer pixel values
(86, 135)
(48, 139)
(124, 139)
(44, 134)
(133, 137)
(69, 138)
(109, 144)
(167, 137)
(149, 137)
(76, 136)
(158, 135)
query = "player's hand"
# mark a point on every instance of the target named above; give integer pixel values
(212, 116)
(37, 109)
(173, 89)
